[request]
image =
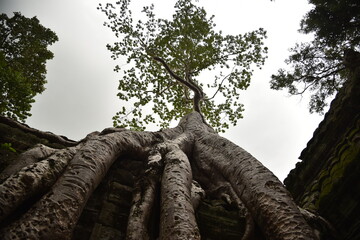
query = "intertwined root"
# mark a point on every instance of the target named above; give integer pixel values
(33, 179)
(177, 217)
(69, 177)
(62, 184)
(168, 165)
(144, 196)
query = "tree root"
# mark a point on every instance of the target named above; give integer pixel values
(32, 180)
(197, 194)
(319, 224)
(223, 190)
(35, 154)
(55, 215)
(268, 201)
(177, 219)
(213, 159)
(144, 199)
(47, 135)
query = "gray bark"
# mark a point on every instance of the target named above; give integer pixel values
(144, 198)
(177, 213)
(25, 159)
(47, 135)
(269, 203)
(32, 180)
(54, 216)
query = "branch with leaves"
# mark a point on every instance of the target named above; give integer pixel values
(318, 66)
(315, 68)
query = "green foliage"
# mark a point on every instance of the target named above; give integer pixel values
(315, 68)
(23, 55)
(7, 147)
(166, 61)
(334, 22)
(318, 66)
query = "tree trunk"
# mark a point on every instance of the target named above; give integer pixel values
(174, 158)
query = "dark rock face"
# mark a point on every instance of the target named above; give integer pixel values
(327, 179)
(106, 213)
(22, 138)
(217, 220)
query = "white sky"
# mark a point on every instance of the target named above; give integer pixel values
(82, 87)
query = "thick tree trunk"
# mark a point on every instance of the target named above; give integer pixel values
(177, 213)
(174, 157)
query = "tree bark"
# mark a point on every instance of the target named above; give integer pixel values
(143, 199)
(268, 201)
(55, 215)
(177, 213)
(176, 156)
(32, 180)
(27, 158)
(47, 135)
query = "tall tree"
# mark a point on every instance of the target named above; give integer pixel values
(318, 66)
(23, 54)
(182, 162)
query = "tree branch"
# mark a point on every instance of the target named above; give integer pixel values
(198, 94)
(222, 81)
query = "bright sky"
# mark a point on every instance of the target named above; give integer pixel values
(82, 87)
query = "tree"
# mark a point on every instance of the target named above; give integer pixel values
(23, 55)
(168, 58)
(182, 163)
(318, 66)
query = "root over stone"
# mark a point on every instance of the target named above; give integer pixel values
(63, 180)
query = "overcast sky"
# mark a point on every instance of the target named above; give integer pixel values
(82, 87)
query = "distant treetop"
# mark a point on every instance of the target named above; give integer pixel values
(318, 66)
(23, 55)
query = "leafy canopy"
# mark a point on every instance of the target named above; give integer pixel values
(167, 59)
(23, 55)
(318, 66)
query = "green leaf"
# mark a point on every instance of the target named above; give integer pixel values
(7, 146)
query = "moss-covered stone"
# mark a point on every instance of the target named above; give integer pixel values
(327, 180)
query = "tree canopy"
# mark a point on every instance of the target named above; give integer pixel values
(23, 54)
(166, 61)
(318, 66)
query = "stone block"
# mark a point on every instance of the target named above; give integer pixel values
(101, 232)
(120, 194)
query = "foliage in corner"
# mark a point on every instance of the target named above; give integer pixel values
(167, 60)
(23, 55)
(7, 147)
(318, 66)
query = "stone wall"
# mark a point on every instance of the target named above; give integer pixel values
(21, 138)
(327, 180)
